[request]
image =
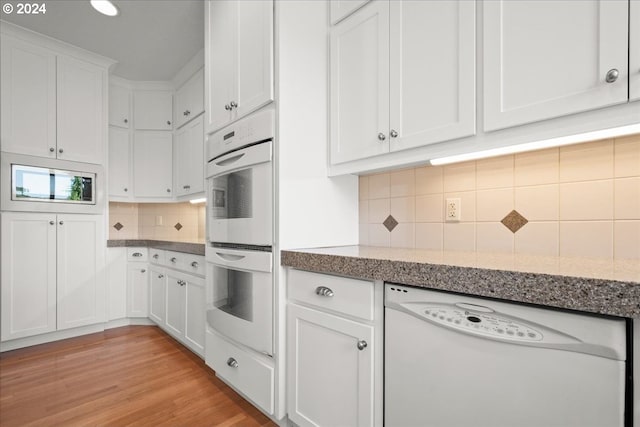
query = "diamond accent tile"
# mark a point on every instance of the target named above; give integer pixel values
(390, 223)
(514, 221)
(178, 226)
(118, 226)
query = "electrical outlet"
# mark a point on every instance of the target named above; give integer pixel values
(452, 209)
(158, 219)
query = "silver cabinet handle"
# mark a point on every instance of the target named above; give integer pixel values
(61, 223)
(160, 276)
(612, 75)
(60, 150)
(181, 282)
(126, 121)
(126, 189)
(393, 133)
(169, 122)
(186, 187)
(136, 254)
(232, 362)
(323, 291)
(381, 136)
(184, 113)
(362, 344)
(173, 259)
(52, 222)
(143, 271)
(233, 104)
(51, 149)
(194, 264)
(228, 107)
(156, 256)
(168, 190)
(187, 112)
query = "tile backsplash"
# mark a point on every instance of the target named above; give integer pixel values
(181, 222)
(578, 200)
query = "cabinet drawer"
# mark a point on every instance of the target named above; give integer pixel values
(137, 254)
(251, 376)
(193, 264)
(340, 294)
(157, 256)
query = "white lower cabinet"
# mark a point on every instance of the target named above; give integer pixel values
(157, 294)
(334, 361)
(137, 285)
(52, 273)
(176, 297)
(116, 269)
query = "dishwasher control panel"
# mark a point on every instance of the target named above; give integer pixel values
(487, 324)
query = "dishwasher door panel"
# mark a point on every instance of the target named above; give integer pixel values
(439, 377)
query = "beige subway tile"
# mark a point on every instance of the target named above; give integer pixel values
(627, 240)
(379, 210)
(363, 211)
(538, 238)
(467, 205)
(592, 239)
(493, 237)
(429, 208)
(493, 205)
(363, 188)
(363, 234)
(627, 156)
(460, 177)
(429, 236)
(429, 180)
(460, 237)
(627, 198)
(403, 209)
(403, 236)
(496, 172)
(590, 200)
(379, 186)
(538, 203)
(588, 161)
(379, 235)
(402, 183)
(537, 167)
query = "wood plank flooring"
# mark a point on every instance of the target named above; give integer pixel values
(130, 376)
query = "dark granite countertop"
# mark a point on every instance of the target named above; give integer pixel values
(590, 285)
(186, 247)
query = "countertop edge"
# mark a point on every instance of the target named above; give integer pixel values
(185, 247)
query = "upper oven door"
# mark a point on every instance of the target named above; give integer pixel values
(240, 196)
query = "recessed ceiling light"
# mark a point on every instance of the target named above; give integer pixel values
(105, 7)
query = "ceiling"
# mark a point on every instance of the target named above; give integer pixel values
(150, 39)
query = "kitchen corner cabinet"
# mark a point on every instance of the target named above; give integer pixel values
(120, 182)
(52, 273)
(189, 99)
(52, 105)
(189, 158)
(238, 59)
(153, 164)
(119, 106)
(548, 59)
(153, 110)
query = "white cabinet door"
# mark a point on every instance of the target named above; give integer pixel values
(80, 270)
(153, 110)
(119, 163)
(194, 330)
(28, 101)
(323, 353)
(360, 84)
(340, 9)
(175, 303)
(634, 50)
(28, 274)
(432, 66)
(153, 164)
(254, 56)
(189, 158)
(548, 59)
(220, 62)
(116, 269)
(157, 295)
(119, 106)
(189, 99)
(80, 114)
(137, 289)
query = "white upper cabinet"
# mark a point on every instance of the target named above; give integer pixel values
(153, 164)
(190, 99)
(360, 84)
(340, 9)
(119, 106)
(81, 117)
(548, 59)
(120, 185)
(432, 72)
(153, 110)
(238, 59)
(189, 158)
(28, 76)
(634, 51)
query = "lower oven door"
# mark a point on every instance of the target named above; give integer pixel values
(240, 296)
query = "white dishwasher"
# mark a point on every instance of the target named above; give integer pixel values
(453, 360)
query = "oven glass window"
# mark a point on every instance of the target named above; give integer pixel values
(29, 183)
(234, 292)
(231, 195)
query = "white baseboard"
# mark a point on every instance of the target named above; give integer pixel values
(50, 337)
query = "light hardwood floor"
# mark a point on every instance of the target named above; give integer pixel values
(130, 376)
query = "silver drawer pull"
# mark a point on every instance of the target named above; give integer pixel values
(232, 362)
(173, 259)
(194, 264)
(323, 291)
(156, 256)
(160, 276)
(137, 254)
(143, 271)
(362, 344)
(181, 282)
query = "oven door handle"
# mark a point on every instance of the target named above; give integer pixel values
(230, 257)
(230, 160)
(242, 159)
